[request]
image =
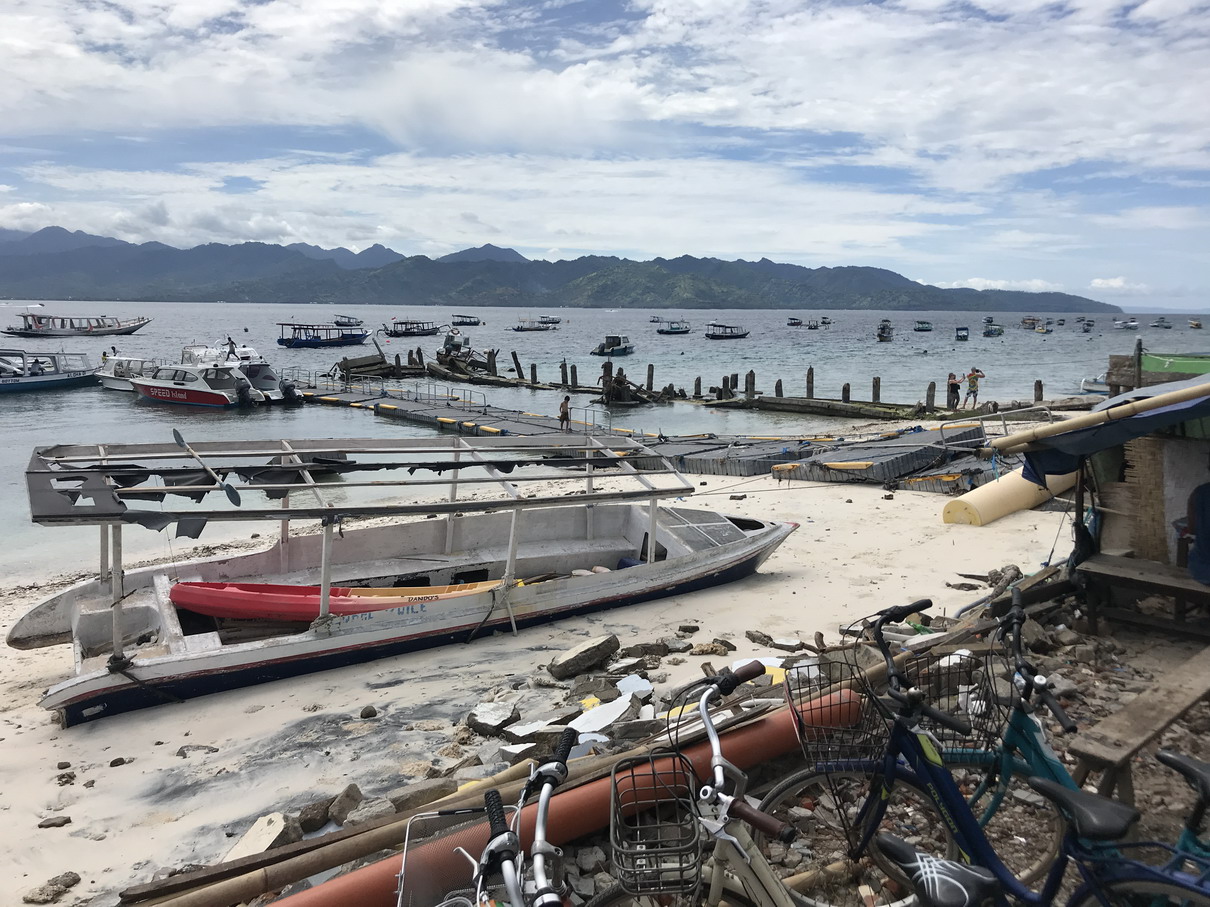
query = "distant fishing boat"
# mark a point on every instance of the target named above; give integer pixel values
(614, 345)
(716, 331)
(527, 324)
(812, 324)
(993, 330)
(347, 321)
(466, 321)
(313, 336)
(793, 322)
(1195, 324)
(885, 332)
(923, 326)
(549, 319)
(674, 327)
(961, 334)
(1161, 322)
(405, 328)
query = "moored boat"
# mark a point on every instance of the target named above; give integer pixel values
(923, 326)
(35, 324)
(205, 384)
(962, 333)
(716, 331)
(347, 321)
(793, 322)
(465, 321)
(992, 330)
(528, 324)
(1095, 385)
(885, 332)
(310, 336)
(614, 345)
(1195, 323)
(1126, 324)
(549, 319)
(23, 370)
(117, 370)
(1161, 322)
(252, 364)
(404, 328)
(674, 327)
(556, 546)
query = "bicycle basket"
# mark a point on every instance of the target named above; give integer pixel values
(839, 724)
(653, 829)
(973, 683)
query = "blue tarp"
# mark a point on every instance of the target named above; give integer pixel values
(1061, 454)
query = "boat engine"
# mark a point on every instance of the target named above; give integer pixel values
(243, 391)
(289, 391)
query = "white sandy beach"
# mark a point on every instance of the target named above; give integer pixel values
(858, 548)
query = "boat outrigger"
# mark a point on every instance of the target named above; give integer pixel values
(561, 527)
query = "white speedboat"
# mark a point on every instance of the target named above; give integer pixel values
(23, 370)
(1095, 385)
(206, 384)
(117, 371)
(1126, 324)
(254, 366)
(552, 528)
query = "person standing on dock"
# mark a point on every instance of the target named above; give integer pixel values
(972, 387)
(565, 414)
(953, 391)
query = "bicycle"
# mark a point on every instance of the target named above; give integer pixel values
(660, 823)
(524, 884)
(1112, 872)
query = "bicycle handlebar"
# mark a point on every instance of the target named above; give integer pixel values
(901, 612)
(1047, 698)
(762, 821)
(728, 681)
(495, 812)
(566, 742)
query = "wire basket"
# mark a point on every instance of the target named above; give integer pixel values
(973, 683)
(654, 832)
(838, 721)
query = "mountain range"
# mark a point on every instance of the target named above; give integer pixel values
(55, 263)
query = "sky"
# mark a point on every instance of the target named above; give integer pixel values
(1015, 144)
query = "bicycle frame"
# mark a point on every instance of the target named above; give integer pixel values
(1098, 863)
(732, 865)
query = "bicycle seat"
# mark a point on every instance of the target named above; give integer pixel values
(1091, 816)
(940, 883)
(1195, 771)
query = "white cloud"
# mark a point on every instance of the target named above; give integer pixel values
(983, 283)
(1118, 286)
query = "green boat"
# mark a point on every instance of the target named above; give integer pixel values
(1181, 363)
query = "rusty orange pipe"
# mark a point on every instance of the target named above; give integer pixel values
(434, 869)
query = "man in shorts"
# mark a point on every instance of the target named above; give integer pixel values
(972, 387)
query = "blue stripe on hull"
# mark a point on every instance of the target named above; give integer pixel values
(142, 696)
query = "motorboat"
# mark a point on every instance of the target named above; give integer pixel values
(117, 370)
(347, 321)
(398, 328)
(1161, 322)
(716, 331)
(1195, 324)
(993, 330)
(466, 321)
(812, 324)
(962, 334)
(793, 322)
(542, 541)
(254, 366)
(1126, 324)
(308, 336)
(1044, 329)
(34, 324)
(1087, 325)
(989, 319)
(549, 319)
(885, 332)
(456, 353)
(825, 321)
(1095, 385)
(655, 319)
(923, 326)
(526, 324)
(205, 384)
(674, 327)
(613, 345)
(1029, 322)
(22, 370)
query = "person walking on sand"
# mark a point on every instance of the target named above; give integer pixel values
(953, 391)
(972, 387)
(565, 414)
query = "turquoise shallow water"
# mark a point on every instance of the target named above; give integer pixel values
(846, 352)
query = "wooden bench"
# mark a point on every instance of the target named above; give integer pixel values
(1105, 572)
(1109, 746)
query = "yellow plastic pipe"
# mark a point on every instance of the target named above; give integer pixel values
(1008, 494)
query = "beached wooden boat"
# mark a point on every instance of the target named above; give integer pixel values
(560, 527)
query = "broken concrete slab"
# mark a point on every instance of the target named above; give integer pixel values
(418, 793)
(490, 718)
(584, 657)
(596, 720)
(266, 833)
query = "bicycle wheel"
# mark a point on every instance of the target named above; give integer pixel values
(619, 897)
(818, 807)
(1141, 894)
(1023, 827)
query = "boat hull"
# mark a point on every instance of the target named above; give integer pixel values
(61, 332)
(295, 343)
(97, 696)
(47, 382)
(183, 396)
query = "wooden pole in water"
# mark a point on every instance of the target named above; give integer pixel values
(606, 372)
(876, 390)
(697, 387)
(533, 373)
(930, 396)
(844, 394)
(811, 383)
(734, 380)
(650, 376)
(491, 362)
(517, 366)
(563, 372)
(1038, 391)
(1138, 362)
(750, 384)
(575, 379)
(777, 388)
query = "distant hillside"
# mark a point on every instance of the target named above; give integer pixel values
(56, 264)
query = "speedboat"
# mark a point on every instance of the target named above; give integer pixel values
(34, 324)
(1161, 322)
(21, 370)
(254, 366)
(1195, 324)
(1095, 385)
(1126, 324)
(204, 384)
(716, 331)
(613, 345)
(116, 371)
(541, 540)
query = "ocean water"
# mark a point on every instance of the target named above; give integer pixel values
(844, 353)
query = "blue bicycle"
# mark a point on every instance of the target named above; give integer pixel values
(1111, 872)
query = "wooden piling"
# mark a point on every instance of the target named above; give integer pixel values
(697, 388)
(606, 373)
(930, 396)
(844, 394)
(517, 366)
(750, 384)
(533, 373)
(563, 372)
(734, 380)
(491, 363)
(575, 379)
(811, 383)
(650, 376)
(876, 390)
(1038, 391)
(777, 388)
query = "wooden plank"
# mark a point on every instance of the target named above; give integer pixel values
(1146, 574)
(1114, 741)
